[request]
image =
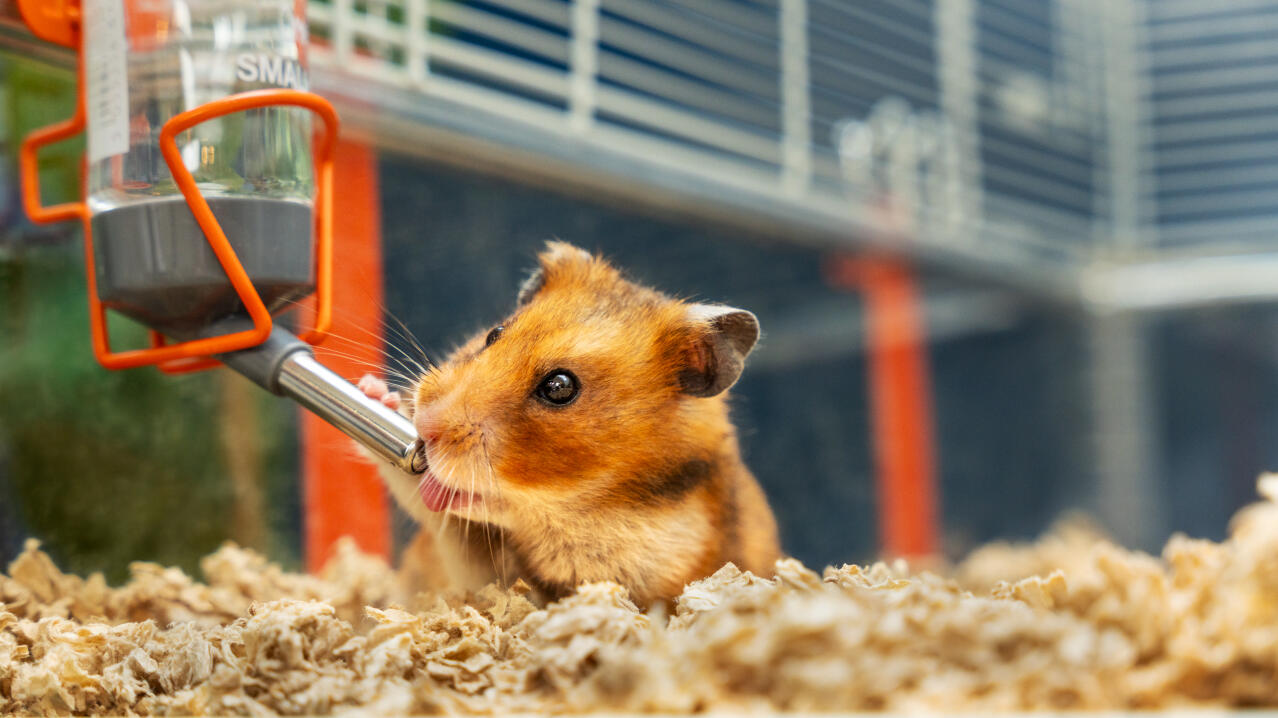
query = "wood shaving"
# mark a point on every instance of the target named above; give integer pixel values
(1071, 622)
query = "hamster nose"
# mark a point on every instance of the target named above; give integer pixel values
(429, 424)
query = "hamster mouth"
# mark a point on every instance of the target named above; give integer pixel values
(438, 497)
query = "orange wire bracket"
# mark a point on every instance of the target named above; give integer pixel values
(29, 164)
(190, 355)
(57, 21)
(198, 349)
(901, 407)
(29, 169)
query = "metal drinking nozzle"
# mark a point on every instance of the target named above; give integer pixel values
(284, 365)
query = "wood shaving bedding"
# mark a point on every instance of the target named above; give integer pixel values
(1072, 622)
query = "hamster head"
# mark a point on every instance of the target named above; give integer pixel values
(588, 396)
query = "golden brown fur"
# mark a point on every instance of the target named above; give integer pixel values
(639, 480)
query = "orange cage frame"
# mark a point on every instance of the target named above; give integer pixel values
(59, 22)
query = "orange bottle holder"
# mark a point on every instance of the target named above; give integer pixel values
(193, 355)
(57, 21)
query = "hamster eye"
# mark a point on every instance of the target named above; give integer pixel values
(493, 335)
(559, 388)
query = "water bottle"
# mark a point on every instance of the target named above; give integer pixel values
(148, 60)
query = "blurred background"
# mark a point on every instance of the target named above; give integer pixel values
(1063, 211)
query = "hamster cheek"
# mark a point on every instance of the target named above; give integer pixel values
(547, 452)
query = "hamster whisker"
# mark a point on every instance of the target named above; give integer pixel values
(439, 461)
(406, 360)
(392, 338)
(386, 344)
(367, 332)
(488, 537)
(402, 333)
(463, 520)
(471, 469)
(373, 367)
(403, 373)
(493, 489)
(405, 334)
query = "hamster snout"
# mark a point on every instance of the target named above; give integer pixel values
(429, 425)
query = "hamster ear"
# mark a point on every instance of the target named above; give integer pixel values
(531, 286)
(556, 255)
(722, 338)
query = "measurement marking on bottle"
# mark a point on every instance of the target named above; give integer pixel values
(107, 94)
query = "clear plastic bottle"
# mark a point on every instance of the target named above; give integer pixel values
(149, 60)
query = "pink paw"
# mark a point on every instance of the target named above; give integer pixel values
(377, 389)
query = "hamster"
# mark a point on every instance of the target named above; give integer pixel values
(584, 438)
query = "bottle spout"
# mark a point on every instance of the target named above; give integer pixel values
(284, 365)
(389, 435)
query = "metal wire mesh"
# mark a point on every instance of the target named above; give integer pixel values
(1036, 131)
(1212, 90)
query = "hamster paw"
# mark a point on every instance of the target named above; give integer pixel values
(377, 389)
